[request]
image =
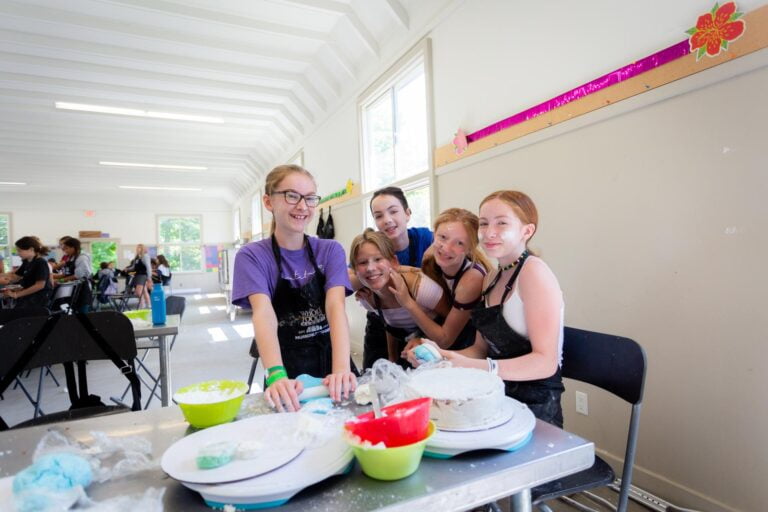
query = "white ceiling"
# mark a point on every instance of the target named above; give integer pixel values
(271, 69)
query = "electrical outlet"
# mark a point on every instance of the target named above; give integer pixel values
(582, 405)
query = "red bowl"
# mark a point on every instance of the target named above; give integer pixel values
(400, 424)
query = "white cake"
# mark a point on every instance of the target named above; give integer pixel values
(462, 398)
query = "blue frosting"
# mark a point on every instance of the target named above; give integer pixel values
(309, 381)
(318, 405)
(35, 487)
(424, 354)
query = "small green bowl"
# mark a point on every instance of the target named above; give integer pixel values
(391, 463)
(208, 414)
(139, 314)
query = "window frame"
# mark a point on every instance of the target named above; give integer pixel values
(7, 250)
(160, 245)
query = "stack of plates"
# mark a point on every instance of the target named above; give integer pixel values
(511, 431)
(268, 480)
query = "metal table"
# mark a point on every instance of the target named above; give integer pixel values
(162, 334)
(459, 483)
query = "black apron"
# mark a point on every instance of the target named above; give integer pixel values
(466, 338)
(541, 396)
(399, 333)
(302, 327)
(375, 338)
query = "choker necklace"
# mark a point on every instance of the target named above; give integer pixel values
(514, 263)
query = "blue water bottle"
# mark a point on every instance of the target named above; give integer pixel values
(158, 305)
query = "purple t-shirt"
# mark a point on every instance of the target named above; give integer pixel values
(256, 270)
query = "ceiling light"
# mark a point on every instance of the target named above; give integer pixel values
(136, 187)
(102, 109)
(157, 166)
(11, 183)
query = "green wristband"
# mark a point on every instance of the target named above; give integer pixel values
(275, 368)
(278, 375)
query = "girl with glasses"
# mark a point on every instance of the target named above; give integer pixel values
(296, 286)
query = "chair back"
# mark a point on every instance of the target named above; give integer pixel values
(68, 341)
(175, 305)
(617, 365)
(612, 363)
(64, 294)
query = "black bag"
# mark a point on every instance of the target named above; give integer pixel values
(320, 231)
(329, 231)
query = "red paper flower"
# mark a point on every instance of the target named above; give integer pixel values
(715, 29)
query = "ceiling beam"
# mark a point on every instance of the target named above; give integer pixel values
(398, 12)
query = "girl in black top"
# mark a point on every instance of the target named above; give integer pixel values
(33, 275)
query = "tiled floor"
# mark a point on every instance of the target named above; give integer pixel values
(208, 346)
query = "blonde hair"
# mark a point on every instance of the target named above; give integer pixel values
(377, 238)
(521, 204)
(471, 224)
(278, 174)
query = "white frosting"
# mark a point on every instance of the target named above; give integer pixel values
(462, 398)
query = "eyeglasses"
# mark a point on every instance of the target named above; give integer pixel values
(293, 197)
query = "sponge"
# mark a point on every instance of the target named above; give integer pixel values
(215, 455)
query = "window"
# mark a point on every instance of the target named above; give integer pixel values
(102, 251)
(236, 231)
(394, 122)
(395, 136)
(5, 239)
(180, 241)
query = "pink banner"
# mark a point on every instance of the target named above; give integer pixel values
(664, 56)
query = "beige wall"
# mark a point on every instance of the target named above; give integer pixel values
(656, 224)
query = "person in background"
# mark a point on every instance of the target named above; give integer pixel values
(372, 257)
(107, 274)
(520, 322)
(155, 274)
(296, 286)
(57, 267)
(51, 266)
(457, 263)
(141, 267)
(77, 267)
(2, 263)
(391, 213)
(33, 275)
(163, 270)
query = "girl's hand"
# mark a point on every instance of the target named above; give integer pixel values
(412, 344)
(400, 288)
(449, 355)
(284, 395)
(340, 385)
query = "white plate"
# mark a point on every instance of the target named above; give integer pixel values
(273, 430)
(272, 489)
(508, 436)
(506, 414)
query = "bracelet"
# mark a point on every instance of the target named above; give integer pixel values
(274, 369)
(278, 375)
(493, 366)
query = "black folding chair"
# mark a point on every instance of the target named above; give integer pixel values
(40, 341)
(617, 365)
(65, 296)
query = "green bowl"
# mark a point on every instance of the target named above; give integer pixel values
(139, 314)
(201, 413)
(391, 463)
